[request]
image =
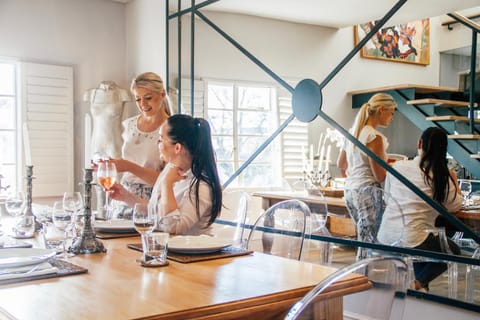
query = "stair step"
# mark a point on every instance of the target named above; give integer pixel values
(464, 136)
(440, 102)
(450, 118)
(475, 156)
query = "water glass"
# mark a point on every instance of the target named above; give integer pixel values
(15, 203)
(53, 237)
(156, 250)
(24, 227)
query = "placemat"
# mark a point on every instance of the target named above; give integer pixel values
(64, 269)
(187, 258)
(109, 235)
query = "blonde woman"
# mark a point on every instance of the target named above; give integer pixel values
(140, 160)
(360, 170)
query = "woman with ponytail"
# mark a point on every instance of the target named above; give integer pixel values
(187, 194)
(429, 172)
(361, 171)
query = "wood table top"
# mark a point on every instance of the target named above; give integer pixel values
(117, 287)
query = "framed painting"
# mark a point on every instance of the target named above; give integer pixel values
(407, 42)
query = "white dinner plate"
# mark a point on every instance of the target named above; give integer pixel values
(24, 257)
(115, 226)
(197, 244)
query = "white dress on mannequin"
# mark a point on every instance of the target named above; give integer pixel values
(107, 102)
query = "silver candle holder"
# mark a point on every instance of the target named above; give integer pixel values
(28, 206)
(87, 242)
(317, 178)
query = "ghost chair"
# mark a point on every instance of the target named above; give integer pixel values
(234, 209)
(387, 276)
(281, 230)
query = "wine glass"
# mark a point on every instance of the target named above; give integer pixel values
(144, 222)
(62, 220)
(15, 203)
(466, 189)
(72, 204)
(107, 175)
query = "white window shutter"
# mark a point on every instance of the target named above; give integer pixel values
(294, 136)
(47, 104)
(199, 97)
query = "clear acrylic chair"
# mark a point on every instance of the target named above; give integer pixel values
(235, 209)
(281, 230)
(472, 275)
(388, 276)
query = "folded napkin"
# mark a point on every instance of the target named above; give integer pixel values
(27, 271)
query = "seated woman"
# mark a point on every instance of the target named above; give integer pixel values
(187, 195)
(429, 172)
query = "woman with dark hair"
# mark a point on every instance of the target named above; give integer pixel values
(187, 194)
(429, 172)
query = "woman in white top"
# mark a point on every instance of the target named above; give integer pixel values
(187, 194)
(360, 170)
(140, 160)
(429, 172)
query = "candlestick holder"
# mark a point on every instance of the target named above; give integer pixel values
(87, 242)
(28, 206)
(317, 178)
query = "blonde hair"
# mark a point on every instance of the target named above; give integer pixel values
(152, 81)
(370, 109)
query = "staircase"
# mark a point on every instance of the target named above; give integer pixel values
(428, 106)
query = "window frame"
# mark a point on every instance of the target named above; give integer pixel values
(274, 108)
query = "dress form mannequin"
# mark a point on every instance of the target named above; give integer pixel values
(107, 102)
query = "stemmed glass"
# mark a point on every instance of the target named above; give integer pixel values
(15, 204)
(466, 189)
(62, 220)
(144, 222)
(72, 204)
(107, 175)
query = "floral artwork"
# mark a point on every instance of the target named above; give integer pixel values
(407, 42)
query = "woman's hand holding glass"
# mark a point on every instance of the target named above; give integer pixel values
(107, 176)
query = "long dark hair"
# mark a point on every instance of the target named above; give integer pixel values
(194, 134)
(433, 162)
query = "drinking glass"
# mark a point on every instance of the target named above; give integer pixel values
(144, 222)
(15, 203)
(72, 204)
(466, 189)
(62, 220)
(107, 175)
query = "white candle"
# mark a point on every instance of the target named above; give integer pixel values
(88, 140)
(26, 145)
(320, 159)
(319, 146)
(327, 160)
(311, 158)
(304, 162)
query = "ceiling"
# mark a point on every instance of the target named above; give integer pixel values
(333, 13)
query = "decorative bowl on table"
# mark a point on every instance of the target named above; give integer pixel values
(326, 191)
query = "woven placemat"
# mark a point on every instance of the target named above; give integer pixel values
(187, 258)
(64, 269)
(108, 235)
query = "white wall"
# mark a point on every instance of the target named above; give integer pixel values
(303, 51)
(145, 33)
(88, 35)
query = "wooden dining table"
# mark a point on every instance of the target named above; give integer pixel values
(255, 286)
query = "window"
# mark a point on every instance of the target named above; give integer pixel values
(40, 96)
(242, 117)
(9, 114)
